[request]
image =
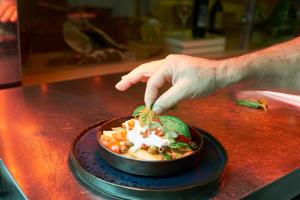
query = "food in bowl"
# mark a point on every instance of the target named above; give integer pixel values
(147, 136)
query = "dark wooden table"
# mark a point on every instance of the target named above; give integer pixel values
(38, 125)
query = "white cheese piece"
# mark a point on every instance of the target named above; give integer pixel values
(135, 136)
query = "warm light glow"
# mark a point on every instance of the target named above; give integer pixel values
(44, 87)
(97, 80)
(7, 146)
(40, 167)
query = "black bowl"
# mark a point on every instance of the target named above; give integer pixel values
(145, 167)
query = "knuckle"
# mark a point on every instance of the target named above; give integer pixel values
(142, 66)
(150, 82)
(171, 57)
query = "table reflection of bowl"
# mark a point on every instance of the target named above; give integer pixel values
(146, 167)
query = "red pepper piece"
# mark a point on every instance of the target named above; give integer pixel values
(181, 138)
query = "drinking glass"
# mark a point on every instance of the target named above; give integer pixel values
(184, 10)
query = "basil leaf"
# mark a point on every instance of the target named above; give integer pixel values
(249, 103)
(144, 119)
(138, 110)
(179, 145)
(175, 124)
(154, 125)
(170, 134)
(171, 140)
(167, 156)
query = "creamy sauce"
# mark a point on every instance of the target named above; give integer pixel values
(135, 136)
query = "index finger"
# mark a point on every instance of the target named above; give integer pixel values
(156, 81)
(14, 17)
(8, 14)
(139, 74)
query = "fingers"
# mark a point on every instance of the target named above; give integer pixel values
(171, 97)
(129, 80)
(139, 74)
(156, 81)
(3, 8)
(8, 14)
(14, 17)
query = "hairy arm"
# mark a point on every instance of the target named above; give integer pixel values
(191, 77)
(277, 66)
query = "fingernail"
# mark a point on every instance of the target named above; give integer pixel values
(157, 109)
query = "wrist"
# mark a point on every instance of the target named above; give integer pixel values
(231, 70)
(222, 73)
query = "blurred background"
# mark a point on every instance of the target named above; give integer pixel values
(66, 39)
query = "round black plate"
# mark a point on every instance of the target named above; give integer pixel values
(201, 181)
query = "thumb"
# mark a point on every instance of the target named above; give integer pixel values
(171, 97)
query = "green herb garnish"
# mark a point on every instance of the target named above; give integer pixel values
(167, 156)
(154, 125)
(175, 124)
(170, 134)
(146, 117)
(168, 123)
(138, 111)
(179, 145)
(253, 104)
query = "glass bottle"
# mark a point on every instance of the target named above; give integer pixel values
(216, 18)
(200, 18)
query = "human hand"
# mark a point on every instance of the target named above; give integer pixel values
(8, 11)
(191, 77)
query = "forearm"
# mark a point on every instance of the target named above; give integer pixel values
(277, 66)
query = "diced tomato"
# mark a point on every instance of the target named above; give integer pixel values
(157, 120)
(130, 124)
(146, 134)
(105, 143)
(123, 147)
(159, 132)
(104, 137)
(181, 138)
(105, 140)
(115, 148)
(174, 156)
(119, 135)
(144, 146)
